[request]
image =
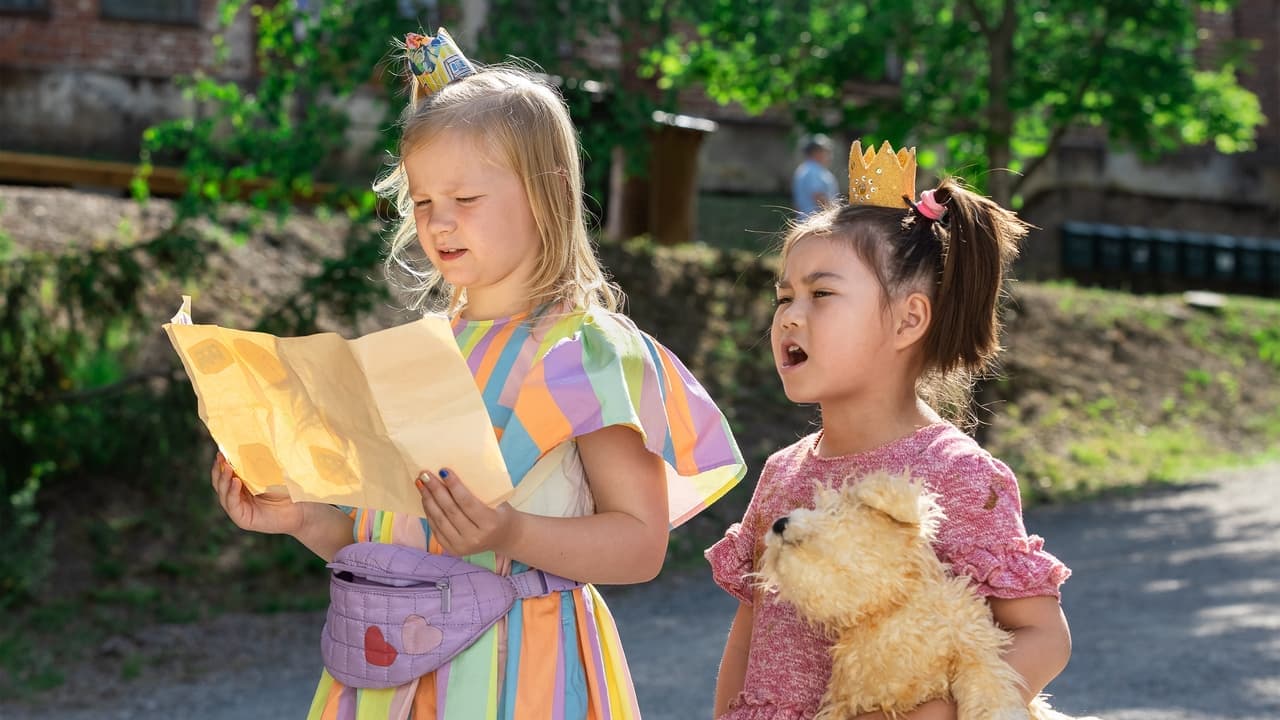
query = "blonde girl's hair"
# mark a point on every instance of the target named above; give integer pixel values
(525, 126)
(959, 261)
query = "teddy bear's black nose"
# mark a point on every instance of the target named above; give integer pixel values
(780, 525)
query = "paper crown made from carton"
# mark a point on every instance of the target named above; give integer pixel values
(435, 61)
(881, 177)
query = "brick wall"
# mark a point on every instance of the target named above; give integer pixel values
(1259, 21)
(75, 83)
(73, 35)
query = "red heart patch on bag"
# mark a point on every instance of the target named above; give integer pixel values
(376, 648)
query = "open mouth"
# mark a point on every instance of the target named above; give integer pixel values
(793, 355)
(447, 254)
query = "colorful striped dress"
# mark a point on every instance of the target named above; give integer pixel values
(546, 380)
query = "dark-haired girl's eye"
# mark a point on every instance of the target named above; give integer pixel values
(781, 300)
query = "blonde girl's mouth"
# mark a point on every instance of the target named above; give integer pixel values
(448, 254)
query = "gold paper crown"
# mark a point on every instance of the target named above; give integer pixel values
(881, 178)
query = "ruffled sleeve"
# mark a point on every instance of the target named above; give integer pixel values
(983, 535)
(596, 369)
(732, 558)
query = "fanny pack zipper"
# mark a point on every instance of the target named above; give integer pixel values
(445, 595)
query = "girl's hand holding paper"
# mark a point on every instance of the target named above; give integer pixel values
(272, 513)
(459, 521)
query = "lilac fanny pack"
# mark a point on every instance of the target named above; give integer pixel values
(397, 613)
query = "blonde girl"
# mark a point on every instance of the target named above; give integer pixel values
(608, 438)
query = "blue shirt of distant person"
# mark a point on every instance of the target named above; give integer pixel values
(813, 187)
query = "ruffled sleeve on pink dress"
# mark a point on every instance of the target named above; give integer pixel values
(731, 560)
(983, 535)
(733, 557)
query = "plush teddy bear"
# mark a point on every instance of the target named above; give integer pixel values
(905, 630)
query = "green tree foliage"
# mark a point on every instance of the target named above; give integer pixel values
(979, 84)
(273, 138)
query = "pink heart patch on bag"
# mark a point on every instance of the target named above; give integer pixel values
(418, 636)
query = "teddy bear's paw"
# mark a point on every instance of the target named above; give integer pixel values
(1041, 710)
(1051, 714)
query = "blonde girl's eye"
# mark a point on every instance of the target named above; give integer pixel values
(422, 204)
(467, 200)
(822, 293)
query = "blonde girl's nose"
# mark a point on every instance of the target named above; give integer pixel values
(440, 221)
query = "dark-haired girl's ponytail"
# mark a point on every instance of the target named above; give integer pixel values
(979, 239)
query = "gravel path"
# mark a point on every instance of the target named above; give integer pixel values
(1174, 607)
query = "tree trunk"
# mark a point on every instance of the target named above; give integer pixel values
(629, 196)
(999, 116)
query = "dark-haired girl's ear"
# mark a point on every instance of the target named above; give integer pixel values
(911, 317)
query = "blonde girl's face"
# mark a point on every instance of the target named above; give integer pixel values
(474, 222)
(831, 335)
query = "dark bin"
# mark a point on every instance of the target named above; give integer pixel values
(1140, 254)
(1271, 253)
(1113, 250)
(1077, 248)
(1166, 260)
(1196, 256)
(1251, 265)
(1223, 263)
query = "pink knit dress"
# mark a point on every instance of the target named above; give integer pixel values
(982, 536)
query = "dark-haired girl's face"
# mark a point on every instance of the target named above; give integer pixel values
(831, 334)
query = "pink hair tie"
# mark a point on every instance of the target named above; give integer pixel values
(929, 207)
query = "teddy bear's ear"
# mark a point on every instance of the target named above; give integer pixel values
(894, 495)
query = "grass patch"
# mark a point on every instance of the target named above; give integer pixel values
(1118, 457)
(1106, 390)
(30, 654)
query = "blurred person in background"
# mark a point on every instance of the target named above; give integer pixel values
(813, 186)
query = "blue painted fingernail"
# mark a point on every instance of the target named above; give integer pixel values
(444, 473)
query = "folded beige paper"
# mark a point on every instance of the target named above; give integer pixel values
(347, 422)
